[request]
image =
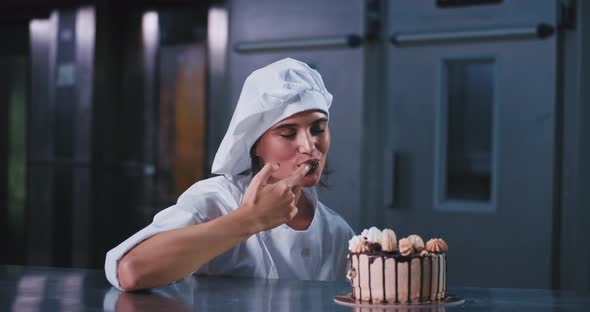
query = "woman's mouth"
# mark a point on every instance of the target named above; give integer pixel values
(313, 166)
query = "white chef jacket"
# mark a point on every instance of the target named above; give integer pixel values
(318, 253)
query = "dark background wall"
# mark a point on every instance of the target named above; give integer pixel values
(92, 124)
(13, 60)
(94, 167)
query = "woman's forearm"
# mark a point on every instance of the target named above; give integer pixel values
(171, 255)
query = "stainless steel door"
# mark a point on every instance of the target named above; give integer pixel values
(323, 35)
(472, 121)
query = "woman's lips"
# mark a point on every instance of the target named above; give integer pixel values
(313, 165)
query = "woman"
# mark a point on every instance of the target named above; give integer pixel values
(267, 223)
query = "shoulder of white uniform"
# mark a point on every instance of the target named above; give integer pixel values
(335, 217)
(329, 211)
(211, 198)
(219, 185)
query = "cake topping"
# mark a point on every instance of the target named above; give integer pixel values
(357, 244)
(375, 240)
(374, 235)
(365, 233)
(417, 242)
(351, 274)
(388, 241)
(437, 245)
(405, 247)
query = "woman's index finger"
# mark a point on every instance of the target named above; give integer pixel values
(294, 179)
(261, 178)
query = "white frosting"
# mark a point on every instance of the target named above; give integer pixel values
(417, 242)
(365, 233)
(374, 235)
(357, 244)
(388, 240)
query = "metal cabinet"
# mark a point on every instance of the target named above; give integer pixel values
(473, 115)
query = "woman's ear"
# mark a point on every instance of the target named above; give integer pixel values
(256, 161)
(254, 149)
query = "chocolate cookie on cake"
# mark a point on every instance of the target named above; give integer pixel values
(383, 270)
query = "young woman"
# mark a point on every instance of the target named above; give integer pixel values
(261, 217)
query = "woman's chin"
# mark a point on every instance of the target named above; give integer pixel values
(309, 181)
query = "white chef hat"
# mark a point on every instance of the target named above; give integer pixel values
(269, 95)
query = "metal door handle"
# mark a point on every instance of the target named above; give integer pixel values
(541, 31)
(462, 3)
(350, 41)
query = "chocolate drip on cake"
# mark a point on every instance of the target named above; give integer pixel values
(355, 277)
(383, 274)
(421, 277)
(396, 284)
(437, 278)
(431, 272)
(370, 288)
(358, 275)
(410, 281)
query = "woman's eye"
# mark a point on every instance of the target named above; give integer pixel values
(288, 135)
(317, 130)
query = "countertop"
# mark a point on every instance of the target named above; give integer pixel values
(24, 288)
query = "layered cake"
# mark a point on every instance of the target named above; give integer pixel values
(383, 270)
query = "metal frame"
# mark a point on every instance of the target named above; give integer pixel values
(539, 31)
(349, 41)
(440, 159)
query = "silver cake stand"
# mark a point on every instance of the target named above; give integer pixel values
(450, 300)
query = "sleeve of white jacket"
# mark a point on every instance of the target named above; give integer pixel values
(200, 203)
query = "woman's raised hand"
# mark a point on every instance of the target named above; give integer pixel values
(270, 205)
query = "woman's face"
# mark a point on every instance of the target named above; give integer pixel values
(303, 138)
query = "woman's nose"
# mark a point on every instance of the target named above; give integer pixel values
(306, 144)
